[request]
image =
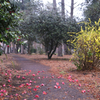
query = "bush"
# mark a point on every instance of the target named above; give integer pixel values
(33, 50)
(87, 47)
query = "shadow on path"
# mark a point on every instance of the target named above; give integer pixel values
(52, 85)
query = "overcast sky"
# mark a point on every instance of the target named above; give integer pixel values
(77, 11)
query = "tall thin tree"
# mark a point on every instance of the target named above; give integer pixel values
(63, 8)
(72, 8)
(61, 47)
(54, 5)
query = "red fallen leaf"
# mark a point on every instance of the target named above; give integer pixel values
(57, 83)
(42, 84)
(1, 94)
(29, 87)
(18, 76)
(76, 80)
(27, 74)
(16, 94)
(38, 71)
(23, 77)
(33, 74)
(36, 96)
(34, 81)
(88, 90)
(63, 83)
(52, 76)
(4, 85)
(35, 89)
(37, 86)
(83, 91)
(28, 84)
(9, 81)
(5, 74)
(59, 76)
(55, 87)
(30, 81)
(69, 77)
(22, 85)
(44, 93)
(79, 84)
(39, 77)
(70, 80)
(59, 87)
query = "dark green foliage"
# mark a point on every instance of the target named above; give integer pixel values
(51, 30)
(33, 50)
(92, 11)
(8, 20)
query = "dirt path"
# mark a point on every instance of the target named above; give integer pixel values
(52, 88)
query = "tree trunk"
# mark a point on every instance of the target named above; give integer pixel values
(52, 51)
(72, 8)
(13, 48)
(63, 9)
(16, 48)
(61, 47)
(7, 50)
(22, 49)
(29, 46)
(65, 49)
(54, 5)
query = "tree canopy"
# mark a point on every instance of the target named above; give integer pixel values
(92, 11)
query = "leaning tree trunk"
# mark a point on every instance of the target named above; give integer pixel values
(52, 50)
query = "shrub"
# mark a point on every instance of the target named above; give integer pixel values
(87, 47)
(33, 50)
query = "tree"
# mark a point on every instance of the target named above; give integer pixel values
(92, 11)
(8, 20)
(54, 5)
(60, 48)
(51, 30)
(9, 17)
(72, 8)
(27, 27)
(92, 1)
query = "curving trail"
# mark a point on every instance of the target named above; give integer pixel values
(47, 86)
